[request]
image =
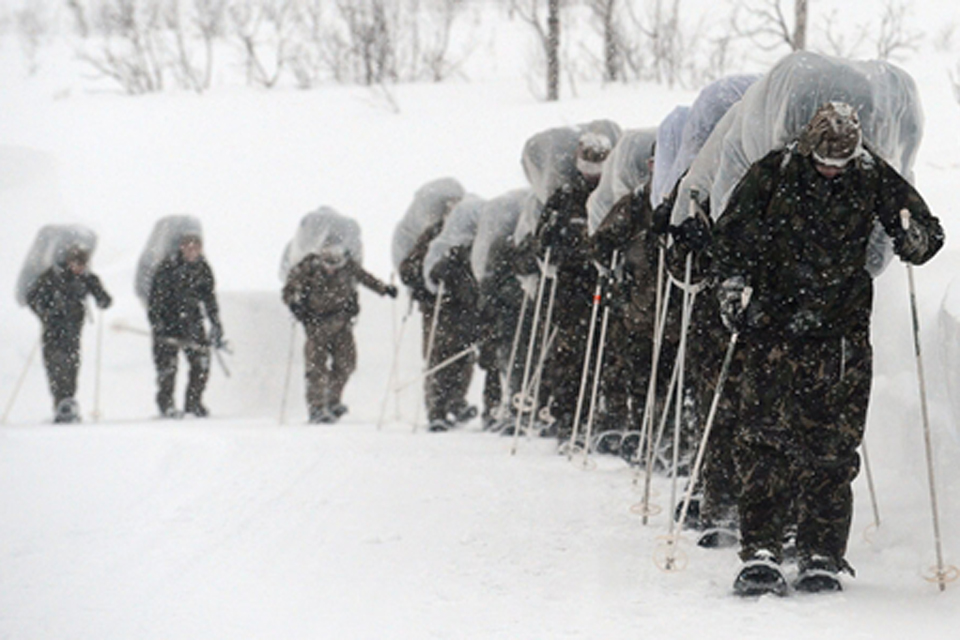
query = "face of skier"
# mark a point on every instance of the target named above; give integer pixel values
(191, 249)
(827, 171)
(77, 267)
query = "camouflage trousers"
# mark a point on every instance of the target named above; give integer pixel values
(165, 359)
(446, 389)
(61, 359)
(563, 368)
(330, 357)
(719, 482)
(803, 412)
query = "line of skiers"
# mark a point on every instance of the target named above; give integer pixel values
(773, 202)
(755, 219)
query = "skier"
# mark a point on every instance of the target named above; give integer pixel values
(321, 292)
(183, 283)
(795, 232)
(563, 230)
(57, 297)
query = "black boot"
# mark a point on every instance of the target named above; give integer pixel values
(817, 573)
(760, 575)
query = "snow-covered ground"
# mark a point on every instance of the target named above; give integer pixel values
(238, 527)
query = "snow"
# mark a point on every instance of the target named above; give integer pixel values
(240, 527)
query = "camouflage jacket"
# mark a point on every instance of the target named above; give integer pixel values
(314, 294)
(563, 229)
(177, 293)
(627, 228)
(411, 268)
(800, 240)
(57, 298)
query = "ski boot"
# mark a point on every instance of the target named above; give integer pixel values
(819, 574)
(338, 409)
(321, 415)
(68, 411)
(760, 575)
(440, 425)
(718, 537)
(196, 409)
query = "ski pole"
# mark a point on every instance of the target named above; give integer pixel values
(23, 376)
(588, 352)
(941, 571)
(394, 364)
(678, 397)
(661, 304)
(596, 382)
(585, 371)
(438, 367)
(438, 302)
(503, 409)
(286, 377)
(529, 355)
(873, 492)
(701, 450)
(545, 341)
(96, 369)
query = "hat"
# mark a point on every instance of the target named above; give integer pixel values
(592, 149)
(833, 136)
(76, 254)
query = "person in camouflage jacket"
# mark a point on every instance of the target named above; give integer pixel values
(563, 230)
(457, 328)
(626, 370)
(57, 297)
(181, 292)
(321, 292)
(792, 244)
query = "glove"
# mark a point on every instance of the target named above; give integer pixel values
(911, 243)
(692, 234)
(105, 301)
(440, 271)
(216, 335)
(390, 291)
(660, 221)
(734, 298)
(299, 311)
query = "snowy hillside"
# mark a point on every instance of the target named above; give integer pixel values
(238, 527)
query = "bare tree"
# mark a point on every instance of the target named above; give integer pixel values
(372, 38)
(530, 11)
(605, 12)
(765, 23)
(894, 36)
(79, 17)
(264, 29)
(131, 51)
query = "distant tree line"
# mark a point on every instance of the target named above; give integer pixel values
(152, 45)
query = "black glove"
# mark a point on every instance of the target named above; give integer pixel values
(733, 303)
(440, 271)
(216, 335)
(660, 221)
(692, 234)
(911, 242)
(299, 311)
(104, 301)
(390, 291)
